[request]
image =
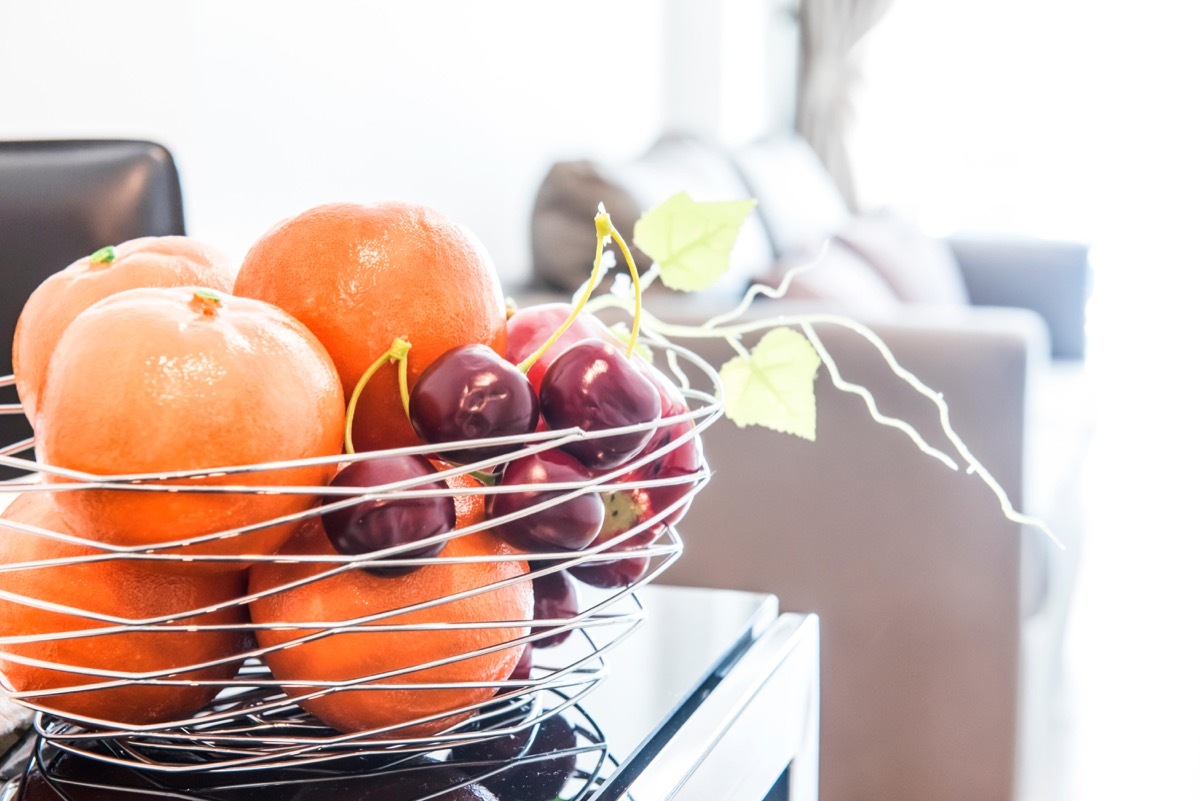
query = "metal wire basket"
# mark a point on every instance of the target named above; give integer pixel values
(569, 771)
(255, 720)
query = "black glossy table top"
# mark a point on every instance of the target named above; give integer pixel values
(659, 678)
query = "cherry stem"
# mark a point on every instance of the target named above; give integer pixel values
(604, 230)
(104, 255)
(398, 352)
(633, 277)
(587, 293)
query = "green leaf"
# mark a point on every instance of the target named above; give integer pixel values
(774, 386)
(691, 241)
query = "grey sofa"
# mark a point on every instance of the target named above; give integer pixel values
(941, 620)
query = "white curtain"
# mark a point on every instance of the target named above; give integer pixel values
(830, 70)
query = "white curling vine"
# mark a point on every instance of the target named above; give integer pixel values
(772, 384)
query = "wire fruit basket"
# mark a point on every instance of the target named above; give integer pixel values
(569, 772)
(256, 720)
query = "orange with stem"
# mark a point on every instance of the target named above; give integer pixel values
(153, 381)
(151, 261)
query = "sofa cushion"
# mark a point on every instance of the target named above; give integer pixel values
(564, 235)
(798, 199)
(837, 276)
(917, 267)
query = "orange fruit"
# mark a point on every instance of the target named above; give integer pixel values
(154, 380)
(351, 655)
(160, 261)
(361, 276)
(119, 588)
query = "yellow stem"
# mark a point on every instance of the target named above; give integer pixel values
(403, 373)
(398, 352)
(602, 222)
(637, 290)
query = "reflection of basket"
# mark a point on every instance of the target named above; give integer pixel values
(253, 724)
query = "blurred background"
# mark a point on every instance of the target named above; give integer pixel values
(1050, 118)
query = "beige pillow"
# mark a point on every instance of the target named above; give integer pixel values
(838, 277)
(798, 199)
(917, 267)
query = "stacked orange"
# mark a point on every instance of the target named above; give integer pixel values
(129, 591)
(362, 276)
(139, 362)
(351, 595)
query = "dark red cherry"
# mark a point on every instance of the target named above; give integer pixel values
(568, 524)
(554, 599)
(530, 327)
(592, 386)
(469, 392)
(375, 524)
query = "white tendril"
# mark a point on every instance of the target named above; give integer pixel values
(973, 464)
(736, 343)
(835, 375)
(650, 275)
(724, 327)
(774, 292)
(680, 376)
(622, 285)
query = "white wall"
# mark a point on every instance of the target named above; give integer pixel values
(729, 68)
(271, 107)
(1054, 117)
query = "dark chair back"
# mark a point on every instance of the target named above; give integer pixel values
(63, 199)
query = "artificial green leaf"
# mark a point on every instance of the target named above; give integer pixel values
(691, 241)
(773, 387)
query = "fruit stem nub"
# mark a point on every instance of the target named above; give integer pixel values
(397, 352)
(104, 255)
(206, 302)
(484, 477)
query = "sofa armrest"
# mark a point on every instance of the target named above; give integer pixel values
(916, 574)
(1052, 278)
